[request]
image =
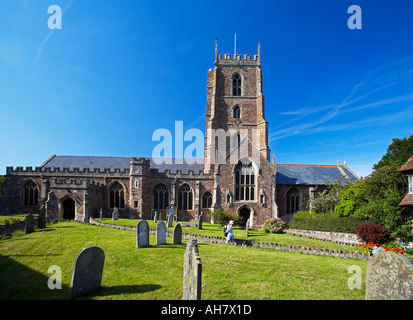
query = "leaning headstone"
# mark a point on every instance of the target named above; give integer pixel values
(192, 271)
(87, 271)
(160, 233)
(42, 217)
(115, 214)
(29, 223)
(200, 221)
(177, 234)
(389, 277)
(170, 220)
(142, 234)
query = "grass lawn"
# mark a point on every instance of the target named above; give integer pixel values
(155, 273)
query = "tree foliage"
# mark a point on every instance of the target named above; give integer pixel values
(398, 152)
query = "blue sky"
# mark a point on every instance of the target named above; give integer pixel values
(119, 70)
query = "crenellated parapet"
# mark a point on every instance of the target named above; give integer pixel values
(187, 174)
(41, 171)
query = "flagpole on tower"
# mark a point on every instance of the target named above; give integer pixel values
(235, 45)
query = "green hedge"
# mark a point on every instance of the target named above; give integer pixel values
(324, 222)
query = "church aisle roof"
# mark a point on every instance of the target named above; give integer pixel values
(311, 174)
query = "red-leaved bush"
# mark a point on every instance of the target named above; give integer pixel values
(373, 233)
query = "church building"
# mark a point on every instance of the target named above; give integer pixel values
(236, 174)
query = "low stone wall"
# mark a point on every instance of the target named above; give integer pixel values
(8, 229)
(249, 243)
(349, 239)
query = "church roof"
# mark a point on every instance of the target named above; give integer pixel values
(311, 174)
(120, 163)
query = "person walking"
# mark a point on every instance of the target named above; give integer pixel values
(230, 235)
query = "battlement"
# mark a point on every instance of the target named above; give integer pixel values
(189, 174)
(73, 183)
(236, 59)
(65, 170)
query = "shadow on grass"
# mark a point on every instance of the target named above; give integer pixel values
(116, 290)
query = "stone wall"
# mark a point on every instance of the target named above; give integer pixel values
(337, 237)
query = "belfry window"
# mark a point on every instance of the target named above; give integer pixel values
(236, 85)
(117, 196)
(293, 201)
(185, 198)
(160, 197)
(30, 195)
(236, 112)
(244, 182)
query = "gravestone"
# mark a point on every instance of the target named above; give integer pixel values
(200, 221)
(115, 214)
(29, 223)
(247, 225)
(170, 220)
(192, 271)
(389, 277)
(87, 271)
(177, 234)
(42, 217)
(101, 213)
(155, 218)
(172, 211)
(142, 234)
(160, 233)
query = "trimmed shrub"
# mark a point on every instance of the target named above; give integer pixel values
(275, 225)
(375, 233)
(222, 217)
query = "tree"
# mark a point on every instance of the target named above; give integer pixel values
(398, 152)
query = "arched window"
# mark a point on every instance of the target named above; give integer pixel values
(207, 200)
(185, 197)
(293, 201)
(236, 112)
(117, 196)
(244, 182)
(160, 197)
(236, 85)
(30, 195)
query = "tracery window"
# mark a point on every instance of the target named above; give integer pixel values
(293, 201)
(117, 196)
(185, 198)
(236, 112)
(236, 85)
(244, 182)
(160, 197)
(207, 200)
(30, 195)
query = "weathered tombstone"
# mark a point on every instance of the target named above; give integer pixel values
(160, 233)
(115, 214)
(177, 234)
(87, 271)
(142, 234)
(172, 211)
(101, 213)
(155, 218)
(170, 220)
(29, 223)
(200, 221)
(42, 217)
(389, 277)
(192, 271)
(247, 225)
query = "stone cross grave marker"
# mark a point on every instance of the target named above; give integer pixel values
(160, 233)
(192, 272)
(389, 277)
(29, 223)
(142, 234)
(177, 234)
(87, 271)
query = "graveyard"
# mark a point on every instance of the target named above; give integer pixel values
(155, 271)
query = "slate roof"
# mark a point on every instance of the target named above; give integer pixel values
(310, 174)
(119, 162)
(286, 173)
